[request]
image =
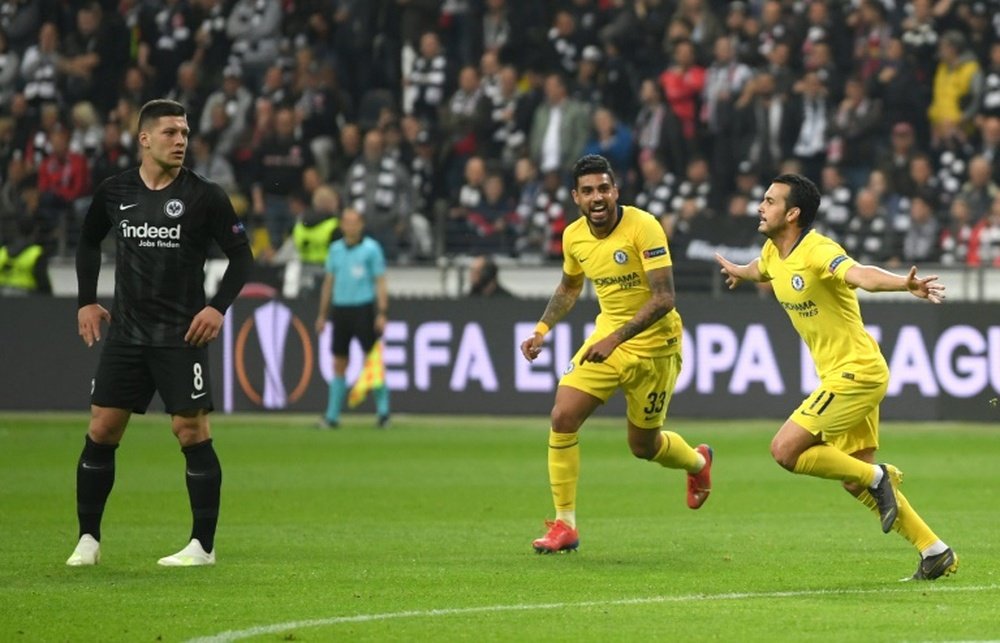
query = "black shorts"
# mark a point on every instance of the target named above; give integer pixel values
(350, 322)
(127, 376)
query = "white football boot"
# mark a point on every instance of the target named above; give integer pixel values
(87, 552)
(191, 556)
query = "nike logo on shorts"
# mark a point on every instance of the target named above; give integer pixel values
(122, 206)
(195, 396)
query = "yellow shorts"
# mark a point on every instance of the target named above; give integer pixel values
(844, 414)
(647, 382)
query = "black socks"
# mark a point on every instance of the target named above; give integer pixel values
(204, 484)
(95, 475)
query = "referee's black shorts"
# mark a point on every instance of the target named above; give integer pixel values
(350, 322)
(128, 375)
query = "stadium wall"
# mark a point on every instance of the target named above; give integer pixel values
(741, 358)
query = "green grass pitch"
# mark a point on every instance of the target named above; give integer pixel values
(422, 533)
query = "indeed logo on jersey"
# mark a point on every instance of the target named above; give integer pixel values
(151, 236)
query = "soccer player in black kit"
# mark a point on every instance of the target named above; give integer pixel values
(164, 218)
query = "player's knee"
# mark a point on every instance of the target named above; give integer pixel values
(564, 421)
(186, 436)
(104, 433)
(107, 426)
(784, 456)
(190, 430)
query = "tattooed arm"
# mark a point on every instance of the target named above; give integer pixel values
(562, 301)
(661, 302)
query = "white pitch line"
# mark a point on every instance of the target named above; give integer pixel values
(236, 635)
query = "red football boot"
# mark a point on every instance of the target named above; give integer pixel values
(700, 484)
(560, 537)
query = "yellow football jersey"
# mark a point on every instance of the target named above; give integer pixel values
(809, 284)
(617, 266)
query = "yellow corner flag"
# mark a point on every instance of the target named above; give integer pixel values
(372, 376)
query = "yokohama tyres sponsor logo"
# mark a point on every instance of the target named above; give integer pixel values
(625, 281)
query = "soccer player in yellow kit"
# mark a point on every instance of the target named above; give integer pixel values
(833, 434)
(636, 345)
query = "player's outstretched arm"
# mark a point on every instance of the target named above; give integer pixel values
(736, 273)
(875, 279)
(561, 302)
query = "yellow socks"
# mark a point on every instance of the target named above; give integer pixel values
(825, 461)
(675, 453)
(564, 472)
(908, 523)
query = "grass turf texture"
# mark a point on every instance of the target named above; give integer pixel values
(438, 514)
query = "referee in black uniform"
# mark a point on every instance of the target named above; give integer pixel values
(164, 218)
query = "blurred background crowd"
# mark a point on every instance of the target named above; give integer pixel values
(451, 124)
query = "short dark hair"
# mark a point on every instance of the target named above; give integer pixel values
(158, 108)
(592, 164)
(802, 194)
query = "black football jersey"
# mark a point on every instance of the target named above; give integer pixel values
(162, 238)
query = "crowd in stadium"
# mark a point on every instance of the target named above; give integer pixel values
(451, 124)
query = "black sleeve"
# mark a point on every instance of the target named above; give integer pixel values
(228, 231)
(224, 226)
(88, 255)
(237, 273)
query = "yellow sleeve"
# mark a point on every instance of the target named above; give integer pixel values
(830, 261)
(651, 244)
(571, 265)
